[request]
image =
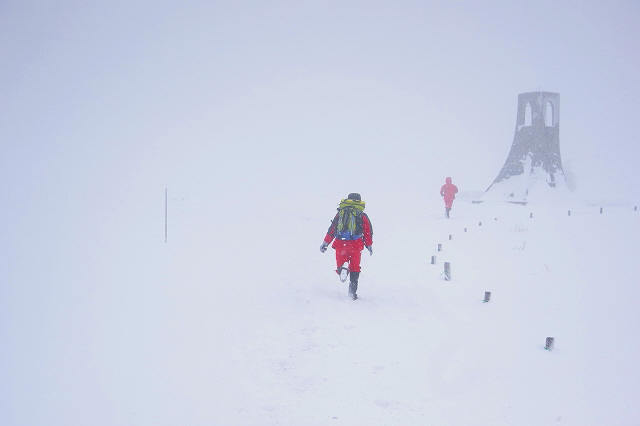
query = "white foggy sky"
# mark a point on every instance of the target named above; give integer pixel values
(99, 97)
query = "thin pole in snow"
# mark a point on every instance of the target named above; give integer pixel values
(166, 192)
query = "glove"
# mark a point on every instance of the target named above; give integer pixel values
(323, 247)
(370, 250)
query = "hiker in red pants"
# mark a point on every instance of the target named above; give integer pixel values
(448, 191)
(352, 231)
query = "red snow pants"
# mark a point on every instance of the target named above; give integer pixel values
(348, 251)
(448, 202)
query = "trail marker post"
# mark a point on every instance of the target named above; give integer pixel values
(447, 271)
(548, 345)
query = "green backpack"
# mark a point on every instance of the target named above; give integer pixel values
(349, 226)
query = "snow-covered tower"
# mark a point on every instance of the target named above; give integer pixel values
(534, 161)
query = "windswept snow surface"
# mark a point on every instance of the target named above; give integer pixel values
(240, 320)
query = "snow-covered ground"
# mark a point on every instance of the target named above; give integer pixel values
(240, 320)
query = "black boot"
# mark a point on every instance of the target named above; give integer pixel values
(353, 285)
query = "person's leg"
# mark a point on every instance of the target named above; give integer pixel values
(342, 256)
(354, 266)
(354, 259)
(353, 285)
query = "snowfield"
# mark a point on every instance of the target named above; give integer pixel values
(235, 322)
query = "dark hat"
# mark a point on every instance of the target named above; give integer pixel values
(354, 196)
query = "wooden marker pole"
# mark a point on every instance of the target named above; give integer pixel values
(548, 345)
(447, 271)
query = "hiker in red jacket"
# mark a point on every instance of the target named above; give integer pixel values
(352, 231)
(448, 191)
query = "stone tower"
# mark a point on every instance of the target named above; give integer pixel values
(534, 159)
